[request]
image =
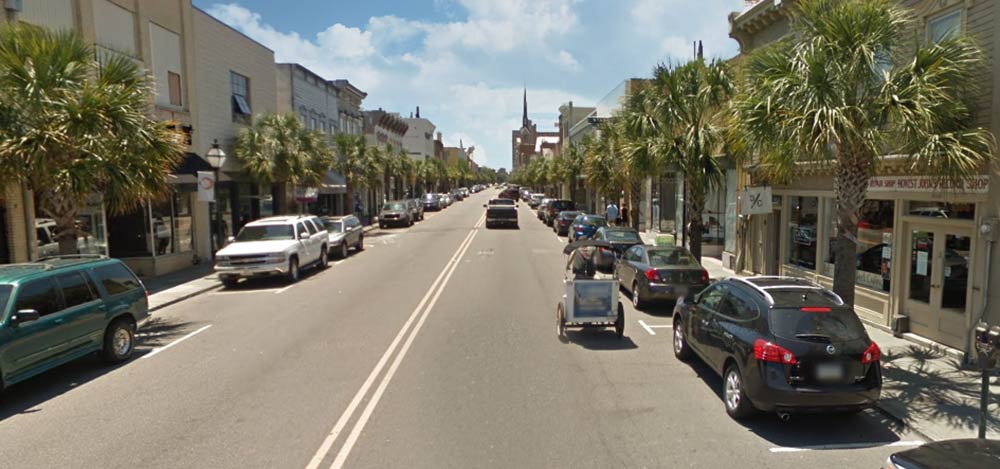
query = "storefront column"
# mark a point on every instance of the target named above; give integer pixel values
(202, 228)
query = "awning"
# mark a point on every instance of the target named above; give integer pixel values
(333, 183)
(191, 164)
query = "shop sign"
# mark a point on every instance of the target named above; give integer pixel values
(756, 201)
(306, 194)
(206, 186)
(975, 185)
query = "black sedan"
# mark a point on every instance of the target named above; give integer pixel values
(432, 202)
(563, 221)
(621, 238)
(782, 345)
(659, 273)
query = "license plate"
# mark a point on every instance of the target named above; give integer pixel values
(829, 372)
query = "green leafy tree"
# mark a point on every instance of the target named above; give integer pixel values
(71, 127)
(845, 91)
(278, 149)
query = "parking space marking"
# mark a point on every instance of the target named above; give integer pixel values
(796, 449)
(646, 327)
(282, 290)
(242, 291)
(160, 349)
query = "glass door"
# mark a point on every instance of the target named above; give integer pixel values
(937, 283)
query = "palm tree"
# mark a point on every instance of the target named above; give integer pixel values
(639, 129)
(351, 160)
(689, 104)
(280, 150)
(601, 165)
(835, 95)
(71, 127)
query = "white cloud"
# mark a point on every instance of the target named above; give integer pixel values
(342, 41)
(565, 59)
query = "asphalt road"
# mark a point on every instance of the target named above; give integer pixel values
(434, 347)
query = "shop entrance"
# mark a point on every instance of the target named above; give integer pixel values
(937, 282)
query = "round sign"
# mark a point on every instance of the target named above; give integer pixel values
(206, 183)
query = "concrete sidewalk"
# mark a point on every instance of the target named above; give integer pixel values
(175, 287)
(923, 386)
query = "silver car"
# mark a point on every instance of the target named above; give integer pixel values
(345, 232)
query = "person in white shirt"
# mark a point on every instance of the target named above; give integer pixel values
(612, 213)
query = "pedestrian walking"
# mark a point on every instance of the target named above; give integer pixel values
(612, 213)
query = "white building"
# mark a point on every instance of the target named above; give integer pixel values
(419, 139)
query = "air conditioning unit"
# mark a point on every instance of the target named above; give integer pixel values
(12, 5)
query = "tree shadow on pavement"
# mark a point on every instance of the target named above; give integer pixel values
(24, 397)
(869, 427)
(598, 339)
(922, 386)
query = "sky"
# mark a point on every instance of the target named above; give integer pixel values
(466, 62)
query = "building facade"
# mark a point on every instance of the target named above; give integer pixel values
(922, 263)
(527, 142)
(419, 139)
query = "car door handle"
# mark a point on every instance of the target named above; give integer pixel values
(727, 335)
(59, 320)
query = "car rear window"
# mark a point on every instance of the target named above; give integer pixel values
(837, 324)
(622, 236)
(561, 204)
(501, 202)
(595, 221)
(116, 278)
(799, 297)
(670, 258)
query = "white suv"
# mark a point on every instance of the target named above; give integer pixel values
(274, 246)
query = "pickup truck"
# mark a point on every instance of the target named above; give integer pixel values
(501, 212)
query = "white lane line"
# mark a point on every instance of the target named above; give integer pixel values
(324, 448)
(796, 449)
(345, 450)
(282, 290)
(665, 326)
(339, 262)
(646, 327)
(160, 349)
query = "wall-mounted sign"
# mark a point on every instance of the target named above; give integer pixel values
(975, 185)
(756, 201)
(206, 186)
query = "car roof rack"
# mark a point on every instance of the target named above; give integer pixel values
(793, 283)
(767, 296)
(61, 257)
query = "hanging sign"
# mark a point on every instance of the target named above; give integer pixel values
(756, 201)
(306, 194)
(206, 186)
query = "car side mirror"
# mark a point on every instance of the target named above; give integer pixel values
(304, 235)
(25, 315)
(230, 239)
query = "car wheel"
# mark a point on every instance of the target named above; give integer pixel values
(681, 349)
(381, 225)
(293, 270)
(230, 282)
(733, 393)
(343, 250)
(637, 301)
(620, 322)
(324, 258)
(119, 341)
(361, 243)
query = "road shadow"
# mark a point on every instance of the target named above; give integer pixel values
(598, 339)
(806, 430)
(275, 282)
(26, 396)
(922, 385)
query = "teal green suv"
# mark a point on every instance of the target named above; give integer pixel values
(60, 309)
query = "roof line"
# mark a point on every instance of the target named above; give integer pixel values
(241, 33)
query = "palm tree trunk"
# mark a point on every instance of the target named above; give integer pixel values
(849, 189)
(63, 211)
(635, 192)
(280, 198)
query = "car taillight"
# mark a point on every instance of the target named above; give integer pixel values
(653, 276)
(768, 352)
(872, 354)
(814, 309)
(704, 276)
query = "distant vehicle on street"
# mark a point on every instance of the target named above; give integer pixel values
(585, 225)
(445, 200)
(465, 191)
(781, 344)
(416, 209)
(63, 308)
(620, 238)
(542, 208)
(563, 221)
(395, 213)
(511, 193)
(432, 202)
(345, 231)
(554, 207)
(274, 246)
(659, 273)
(536, 198)
(457, 195)
(501, 212)
(970, 453)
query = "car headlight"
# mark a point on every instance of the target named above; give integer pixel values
(276, 257)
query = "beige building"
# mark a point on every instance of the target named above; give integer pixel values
(922, 262)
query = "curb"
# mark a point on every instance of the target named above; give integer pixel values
(882, 409)
(187, 296)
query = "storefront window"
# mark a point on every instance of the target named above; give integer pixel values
(874, 249)
(91, 238)
(183, 223)
(942, 210)
(802, 217)
(731, 210)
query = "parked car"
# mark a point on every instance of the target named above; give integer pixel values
(621, 238)
(345, 231)
(465, 191)
(274, 246)
(585, 225)
(554, 207)
(535, 199)
(659, 273)
(456, 195)
(563, 221)
(432, 202)
(781, 344)
(416, 209)
(64, 308)
(395, 212)
(970, 453)
(542, 208)
(445, 200)
(501, 212)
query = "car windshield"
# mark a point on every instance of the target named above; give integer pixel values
(430, 197)
(393, 206)
(622, 235)
(265, 233)
(334, 226)
(671, 258)
(838, 324)
(568, 215)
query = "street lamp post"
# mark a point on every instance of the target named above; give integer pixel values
(216, 159)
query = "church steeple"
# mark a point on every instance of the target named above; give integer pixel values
(524, 115)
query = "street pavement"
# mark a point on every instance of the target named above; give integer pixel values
(434, 347)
